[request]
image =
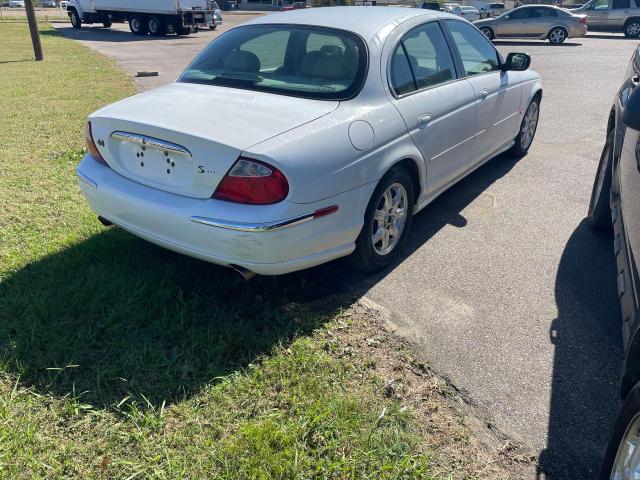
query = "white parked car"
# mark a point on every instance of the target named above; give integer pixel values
(468, 13)
(318, 134)
(16, 4)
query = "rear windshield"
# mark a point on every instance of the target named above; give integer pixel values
(295, 60)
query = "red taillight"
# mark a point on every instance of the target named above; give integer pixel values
(252, 182)
(583, 20)
(91, 146)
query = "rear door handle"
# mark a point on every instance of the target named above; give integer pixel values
(423, 120)
(484, 93)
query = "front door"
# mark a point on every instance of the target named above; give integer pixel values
(438, 109)
(541, 21)
(515, 24)
(497, 99)
(598, 13)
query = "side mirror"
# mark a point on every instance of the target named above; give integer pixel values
(517, 62)
(631, 112)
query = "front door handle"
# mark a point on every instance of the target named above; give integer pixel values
(423, 120)
(484, 93)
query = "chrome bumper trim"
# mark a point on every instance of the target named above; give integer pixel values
(254, 227)
(86, 179)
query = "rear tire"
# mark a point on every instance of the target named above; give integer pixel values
(183, 31)
(487, 32)
(527, 131)
(390, 209)
(138, 25)
(557, 36)
(156, 26)
(621, 432)
(107, 24)
(599, 207)
(76, 22)
(632, 28)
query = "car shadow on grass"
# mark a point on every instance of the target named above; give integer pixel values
(101, 34)
(114, 316)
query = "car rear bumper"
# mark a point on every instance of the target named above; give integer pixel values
(578, 31)
(268, 240)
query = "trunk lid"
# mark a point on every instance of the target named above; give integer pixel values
(183, 138)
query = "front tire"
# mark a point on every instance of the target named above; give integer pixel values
(487, 32)
(624, 439)
(138, 25)
(76, 22)
(557, 36)
(387, 222)
(528, 129)
(599, 207)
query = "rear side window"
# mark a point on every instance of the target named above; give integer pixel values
(476, 52)
(619, 4)
(541, 12)
(421, 60)
(303, 61)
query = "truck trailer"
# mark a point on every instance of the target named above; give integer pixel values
(154, 17)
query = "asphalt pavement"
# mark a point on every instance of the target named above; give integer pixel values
(503, 287)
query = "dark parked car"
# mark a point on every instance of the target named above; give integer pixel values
(615, 204)
(430, 6)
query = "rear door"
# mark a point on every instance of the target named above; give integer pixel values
(498, 93)
(619, 12)
(437, 107)
(541, 20)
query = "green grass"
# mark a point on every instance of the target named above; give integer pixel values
(122, 360)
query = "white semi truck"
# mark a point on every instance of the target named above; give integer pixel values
(155, 17)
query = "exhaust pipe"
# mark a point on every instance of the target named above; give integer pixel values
(245, 274)
(104, 221)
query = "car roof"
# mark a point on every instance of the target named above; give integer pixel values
(365, 21)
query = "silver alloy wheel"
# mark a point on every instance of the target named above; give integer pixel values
(557, 35)
(75, 20)
(626, 466)
(633, 29)
(529, 125)
(486, 32)
(135, 24)
(389, 219)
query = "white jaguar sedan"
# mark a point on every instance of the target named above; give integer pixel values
(305, 136)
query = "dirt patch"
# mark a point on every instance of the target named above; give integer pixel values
(458, 433)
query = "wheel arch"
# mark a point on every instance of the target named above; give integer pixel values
(493, 31)
(631, 376)
(412, 167)
(566, 30)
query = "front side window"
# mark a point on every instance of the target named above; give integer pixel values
(310, 62)
(421, 60)
(599, 5)
(520, 14)
(476, 52)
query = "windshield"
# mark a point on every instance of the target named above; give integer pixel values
(295, 60)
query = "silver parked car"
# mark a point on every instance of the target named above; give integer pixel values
(612, 16)
(492, 10)
(542, 22)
